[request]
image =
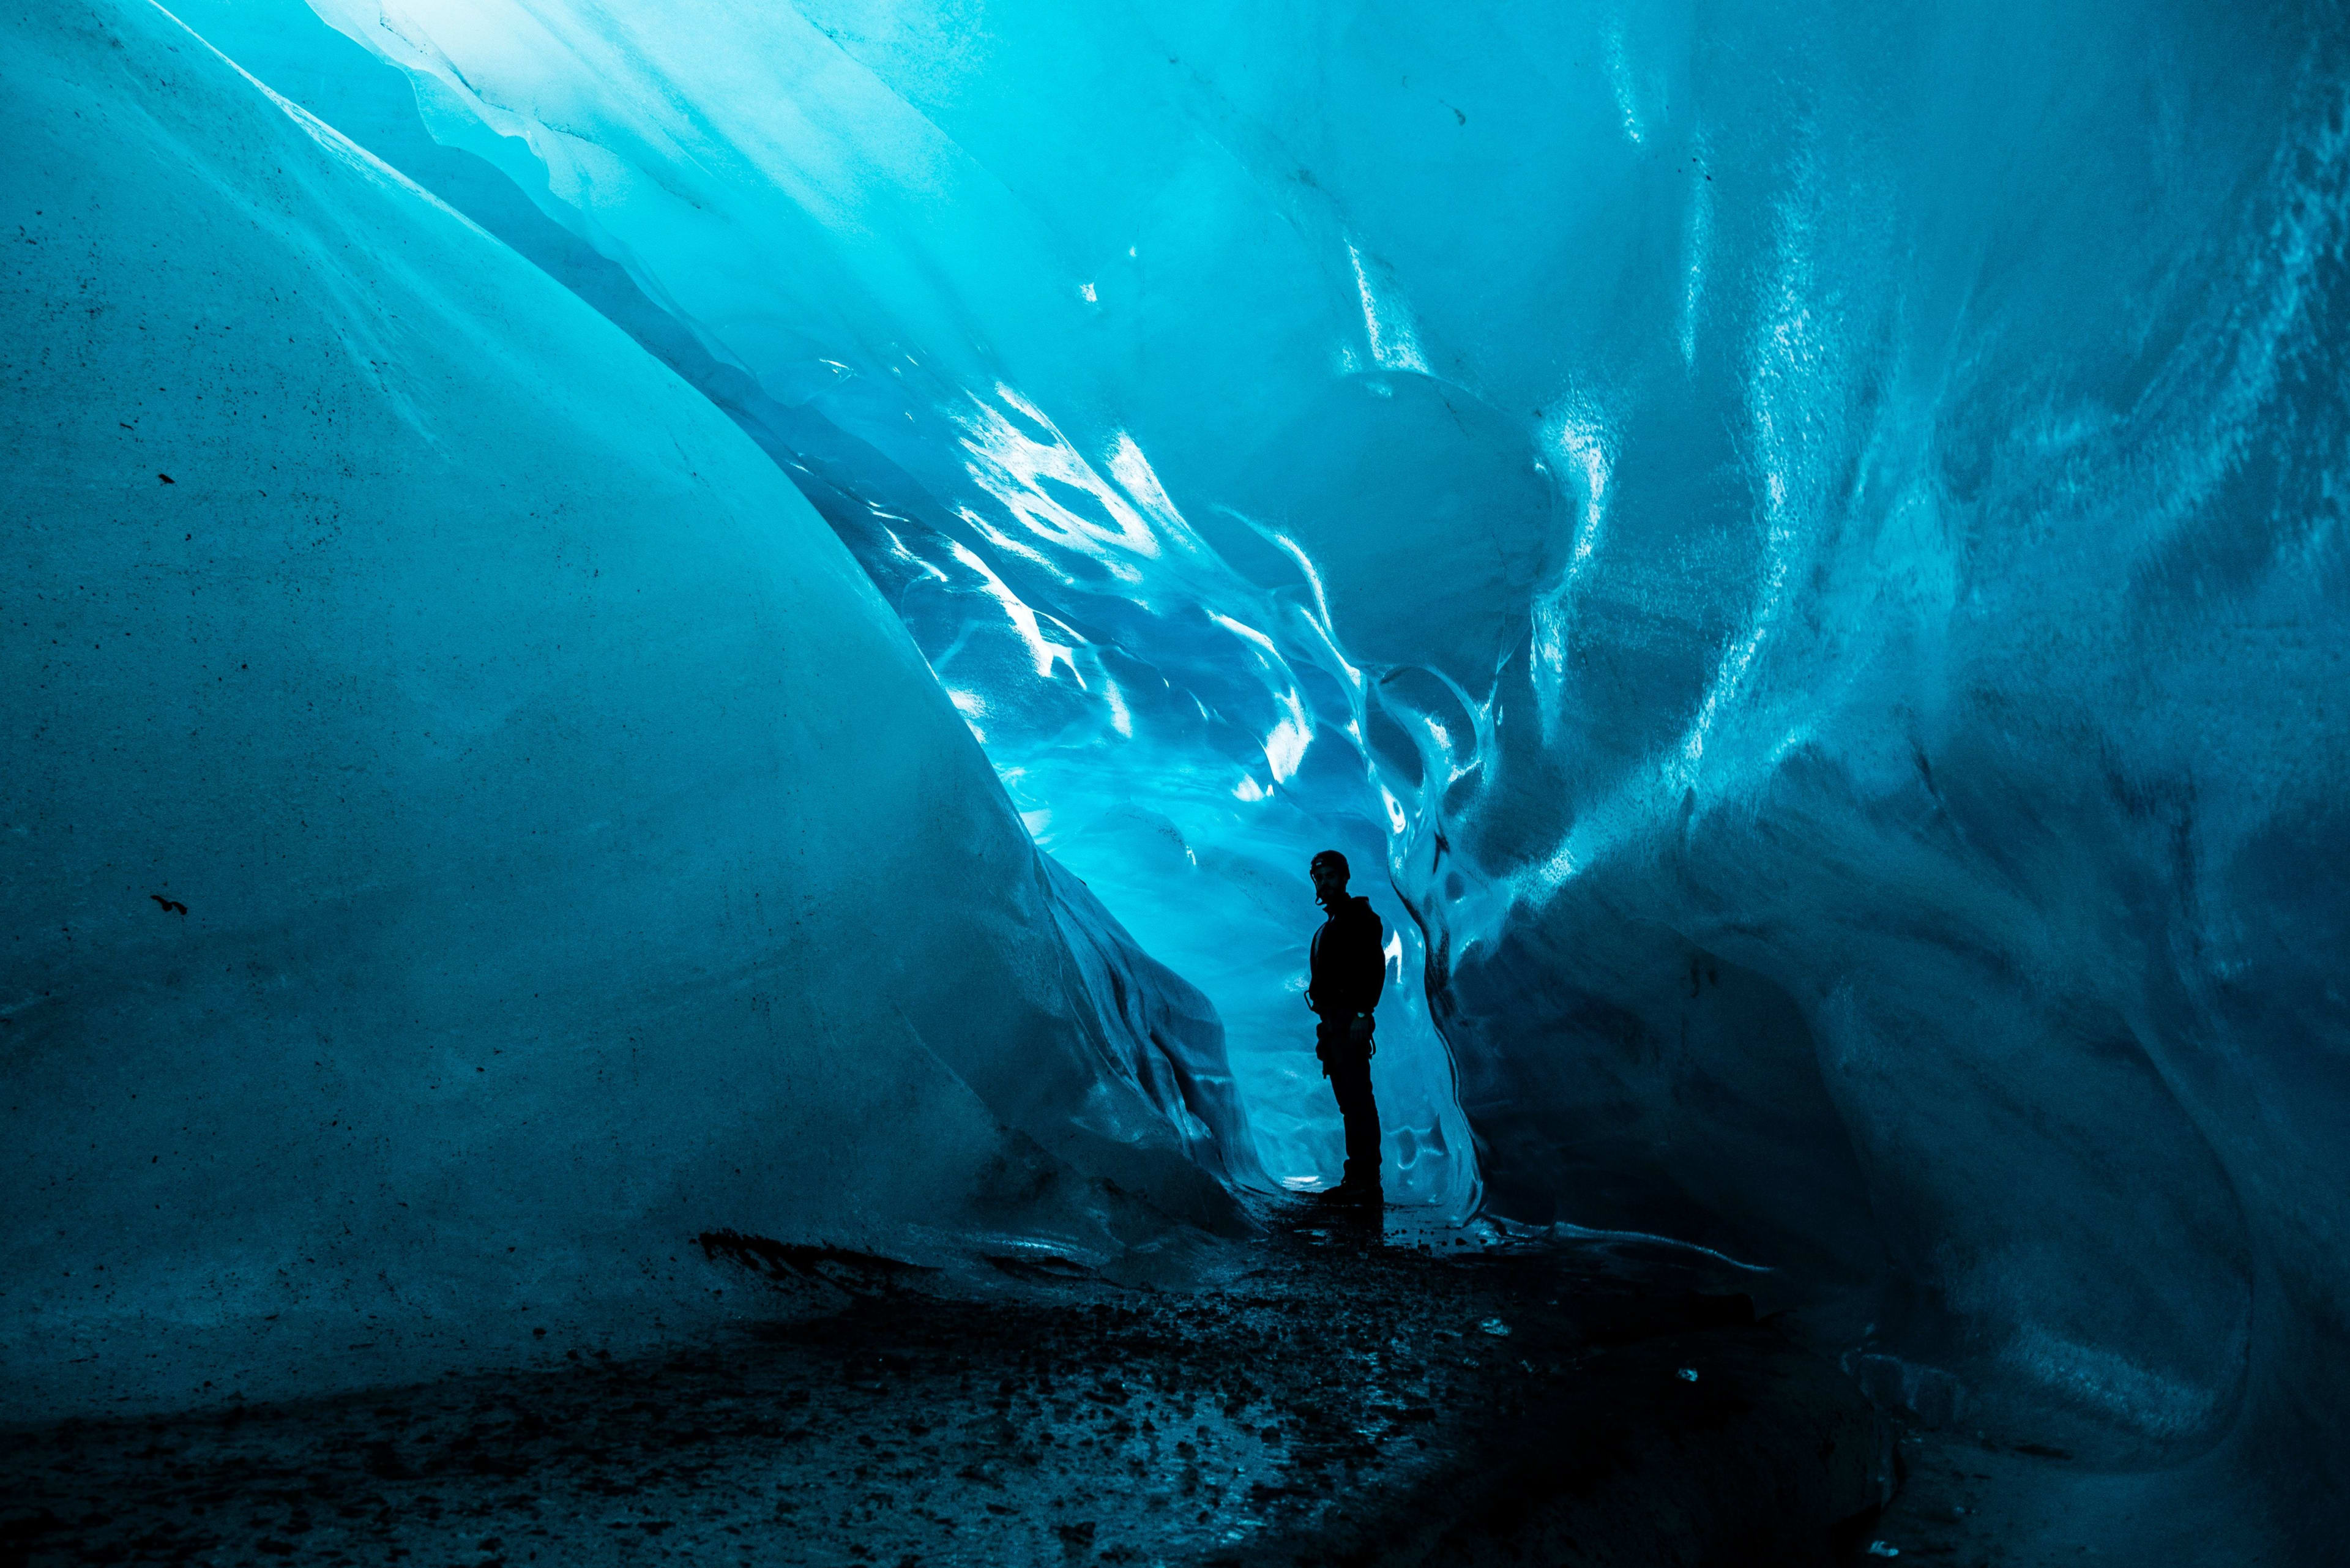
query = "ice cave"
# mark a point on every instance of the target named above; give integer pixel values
(675, 927)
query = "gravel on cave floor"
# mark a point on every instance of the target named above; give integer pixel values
(1356, 1390)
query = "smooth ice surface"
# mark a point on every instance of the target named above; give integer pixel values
(469, 825)
(1180, 734)
(1814, 533)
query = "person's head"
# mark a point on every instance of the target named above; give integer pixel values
(1329, 873)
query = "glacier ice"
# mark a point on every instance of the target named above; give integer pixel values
(1178, 733)
(471, 827)
(1850, 693)
(1808, 538)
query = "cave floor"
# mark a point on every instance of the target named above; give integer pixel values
(1356, 1389)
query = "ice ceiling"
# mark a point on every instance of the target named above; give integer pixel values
(1804, 541)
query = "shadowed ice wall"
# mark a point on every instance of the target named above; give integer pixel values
(469, 825)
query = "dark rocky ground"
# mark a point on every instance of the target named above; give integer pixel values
(1353, 1393)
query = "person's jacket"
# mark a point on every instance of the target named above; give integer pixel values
(1349, 962)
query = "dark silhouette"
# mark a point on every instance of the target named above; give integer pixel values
(1349, 970)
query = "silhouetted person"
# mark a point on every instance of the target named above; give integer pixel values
(1349, 970)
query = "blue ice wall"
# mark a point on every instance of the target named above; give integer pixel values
(1813, 533)
(468, 825)
(1165, 751)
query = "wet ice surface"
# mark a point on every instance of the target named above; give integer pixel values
(1405, 1397)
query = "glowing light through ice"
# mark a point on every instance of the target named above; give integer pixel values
(1015, 467)
(1387, 323)
(1025, 621)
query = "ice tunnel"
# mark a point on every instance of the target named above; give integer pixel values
(772, 599)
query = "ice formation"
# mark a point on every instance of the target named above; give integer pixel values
(471, 827)
(1151, 706)
(1807, 542)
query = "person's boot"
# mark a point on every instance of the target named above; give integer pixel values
(1345, 1195)
(1352, 1193)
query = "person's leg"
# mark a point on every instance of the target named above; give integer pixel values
(1350, 1078)
(1330, 1048)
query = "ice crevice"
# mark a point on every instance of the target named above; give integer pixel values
(1799, 554)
